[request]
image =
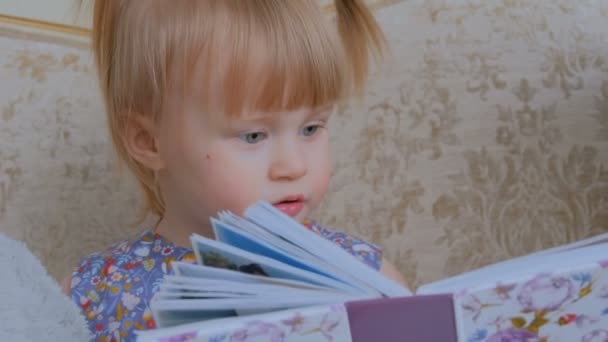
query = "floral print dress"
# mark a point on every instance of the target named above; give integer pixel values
(114, 287)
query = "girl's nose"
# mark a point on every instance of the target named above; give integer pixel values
(288, 164)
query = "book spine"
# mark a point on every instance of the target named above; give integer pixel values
(425, 318)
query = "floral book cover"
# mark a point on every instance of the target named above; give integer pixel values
(428, 318)
(568, 306)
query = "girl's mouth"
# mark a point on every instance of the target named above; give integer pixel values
(290, 205)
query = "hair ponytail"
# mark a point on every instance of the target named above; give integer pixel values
(360, 35)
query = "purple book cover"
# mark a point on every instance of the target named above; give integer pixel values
(428, 318)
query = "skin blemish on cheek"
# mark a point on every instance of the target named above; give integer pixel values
(208, 157)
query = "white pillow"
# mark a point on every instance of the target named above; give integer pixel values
(32, 305)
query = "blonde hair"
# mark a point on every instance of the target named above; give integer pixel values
(266, 54)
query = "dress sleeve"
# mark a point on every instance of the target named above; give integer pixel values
(367, 252)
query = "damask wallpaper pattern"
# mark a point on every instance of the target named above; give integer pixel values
(483, 138)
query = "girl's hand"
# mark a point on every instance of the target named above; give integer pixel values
(65, 286)
(391, 272)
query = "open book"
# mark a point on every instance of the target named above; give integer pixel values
(266, 274)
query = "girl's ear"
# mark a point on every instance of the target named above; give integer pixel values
(141, 141)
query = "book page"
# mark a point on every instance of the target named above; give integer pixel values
(263, 235)
(248, 242)
(276, 222)
(197, 274)
(217, 254)
(226, 289)
(170, 312)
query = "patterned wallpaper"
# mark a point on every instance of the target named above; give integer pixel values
(483, 138)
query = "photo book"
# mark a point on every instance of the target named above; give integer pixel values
(267, 277)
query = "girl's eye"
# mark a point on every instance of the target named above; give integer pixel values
(310, 130)
(253, 138)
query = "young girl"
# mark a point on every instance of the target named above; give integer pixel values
(215, 104)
